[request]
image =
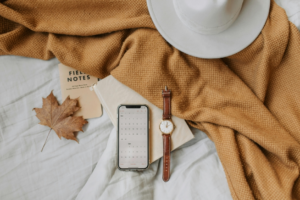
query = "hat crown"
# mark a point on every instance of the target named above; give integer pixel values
(208, 16)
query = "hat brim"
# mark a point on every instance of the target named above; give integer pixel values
(238, 36)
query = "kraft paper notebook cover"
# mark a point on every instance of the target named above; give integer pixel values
(77, 85)
(112, 93)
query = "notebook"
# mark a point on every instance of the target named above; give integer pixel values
(112, 93)
(76, 84)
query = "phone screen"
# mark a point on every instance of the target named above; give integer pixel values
(133, 136)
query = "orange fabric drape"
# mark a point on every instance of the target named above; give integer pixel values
(248, 103)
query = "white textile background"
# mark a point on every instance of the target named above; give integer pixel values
(67, 170)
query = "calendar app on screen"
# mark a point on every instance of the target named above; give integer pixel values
(133, 137)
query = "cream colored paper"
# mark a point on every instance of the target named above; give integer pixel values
(112, 93)
(77, 84)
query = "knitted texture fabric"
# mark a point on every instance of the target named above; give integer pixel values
(248, 103)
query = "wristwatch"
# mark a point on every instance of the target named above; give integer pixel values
(166, 127)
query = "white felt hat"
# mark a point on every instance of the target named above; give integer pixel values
(209, 28)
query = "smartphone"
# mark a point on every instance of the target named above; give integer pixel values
(133, 137)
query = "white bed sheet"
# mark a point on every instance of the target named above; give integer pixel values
(67, 170)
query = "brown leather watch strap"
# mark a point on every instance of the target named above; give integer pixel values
(166, 157)
(167, 103)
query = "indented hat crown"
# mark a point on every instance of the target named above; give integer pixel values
(208, 16)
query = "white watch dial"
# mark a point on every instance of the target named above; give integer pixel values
(166, 126)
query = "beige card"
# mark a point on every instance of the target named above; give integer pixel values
(112, 93)
(77, 84)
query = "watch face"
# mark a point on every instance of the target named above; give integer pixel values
(166, 126)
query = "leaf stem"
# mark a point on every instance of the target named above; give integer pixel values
(46, 139)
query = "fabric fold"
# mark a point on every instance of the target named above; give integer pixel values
(246, 103)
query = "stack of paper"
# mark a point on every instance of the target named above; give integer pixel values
(112, 93)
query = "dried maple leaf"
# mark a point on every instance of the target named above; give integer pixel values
(58, 117)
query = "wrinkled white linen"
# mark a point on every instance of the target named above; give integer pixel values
(67, 170)
(292, 9)
(196, 173)
(62, 169)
